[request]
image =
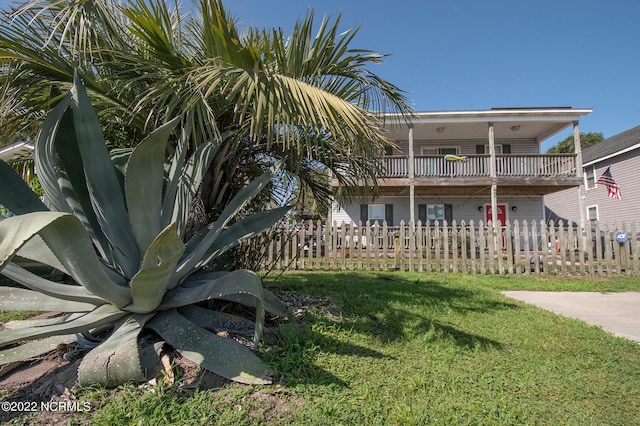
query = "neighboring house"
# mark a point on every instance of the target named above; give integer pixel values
(15, 152)
(503, 177)
(622, 154)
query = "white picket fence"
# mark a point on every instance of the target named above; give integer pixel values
(517, 248)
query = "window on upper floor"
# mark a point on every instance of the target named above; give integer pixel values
(439, 151)
(590, 177)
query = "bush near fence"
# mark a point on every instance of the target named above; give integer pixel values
(516, 248)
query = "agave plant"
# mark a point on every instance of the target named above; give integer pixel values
(117, 227)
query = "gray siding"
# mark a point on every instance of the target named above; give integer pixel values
(468, 147)
(624, 169)
(464, 208)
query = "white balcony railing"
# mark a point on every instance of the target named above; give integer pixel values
(531, 165)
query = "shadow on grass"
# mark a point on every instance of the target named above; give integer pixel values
(388, 308)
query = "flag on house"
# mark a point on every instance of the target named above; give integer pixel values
(613, 189)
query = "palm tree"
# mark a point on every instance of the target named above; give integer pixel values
(308, 98)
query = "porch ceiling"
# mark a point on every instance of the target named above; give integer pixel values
(524, 123)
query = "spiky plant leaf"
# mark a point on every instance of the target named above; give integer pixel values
(37, 250)
(188, 264)
(101, 179)
(15, 194)
(66, 236)
(100, 316)
(271, 302)
(35, 348)
(37, 322)
(148, 286)
(118, 360)
(144, 185)
(189, 182)
(19, 299)
(199, 288)
(222, 356)
(58, 290)
(236, 233)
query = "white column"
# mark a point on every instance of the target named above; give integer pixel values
(410, 169)
(579, 174)
(493, 175)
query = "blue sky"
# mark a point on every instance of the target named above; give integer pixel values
(470, 54)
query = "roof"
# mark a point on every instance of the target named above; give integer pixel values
(15, 152)
(610, 147)
(538, 123)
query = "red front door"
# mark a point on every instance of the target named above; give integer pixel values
(501, 210)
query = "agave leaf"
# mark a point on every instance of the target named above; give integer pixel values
(144, 185)
(188, 264)
(118, 360)
(74, 185)
(222, 356)
(35, 348)
(46, 160)
(209, 318)
(65, 235)
(100, 316)
(19, 299)
(175, 169)
(271, 302)
(148, 286)
(37, 322)
(189, 182)
(37, 250)
(240, 281)
(120, 159)
(238, 232)
(200, 288)
(58, 290)
(101, 179)
(15, 194)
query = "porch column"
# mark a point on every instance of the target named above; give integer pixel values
(579, 174)
(410, 169)
(493, 175)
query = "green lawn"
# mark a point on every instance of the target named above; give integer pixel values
(419, 349)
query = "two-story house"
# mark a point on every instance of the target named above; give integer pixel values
(621, 155)
(482, 165)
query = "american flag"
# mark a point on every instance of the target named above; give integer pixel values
(613, 189)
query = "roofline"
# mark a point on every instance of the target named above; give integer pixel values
(615, 154)
(495, 114)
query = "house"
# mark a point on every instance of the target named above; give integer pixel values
(480, 165)
(619, 153)
(15, 151)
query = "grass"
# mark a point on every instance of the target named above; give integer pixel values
(414, 348)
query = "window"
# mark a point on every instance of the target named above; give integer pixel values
(435, 212)
(592, 213)
(498, 149)
(439, 151)
(376, 212)
(429, 213)
(590, 177)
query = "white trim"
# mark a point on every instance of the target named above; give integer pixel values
(615, 154)
(597, 211)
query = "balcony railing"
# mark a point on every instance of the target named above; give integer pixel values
(529, 165)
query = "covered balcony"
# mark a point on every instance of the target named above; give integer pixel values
(479, 166)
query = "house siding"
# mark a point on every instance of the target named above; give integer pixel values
(624, 169)
(468, 146)
(464, 208)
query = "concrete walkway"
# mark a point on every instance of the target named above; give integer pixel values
(617, 313)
